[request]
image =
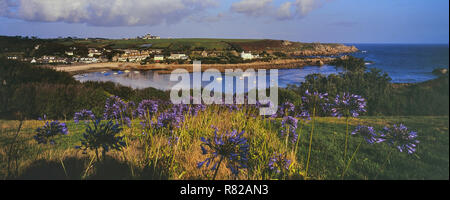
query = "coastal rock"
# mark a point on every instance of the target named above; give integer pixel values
(440, 71)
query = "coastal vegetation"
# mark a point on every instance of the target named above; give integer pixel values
(353, 125)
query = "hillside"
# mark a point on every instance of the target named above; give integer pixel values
(29, 46)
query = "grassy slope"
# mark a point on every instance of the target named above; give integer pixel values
(430, 162)
(210, 44)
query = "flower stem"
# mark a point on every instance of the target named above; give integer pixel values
(346, 141)
(384, 164)
(217, 169)
(310, 141)
(350, 161)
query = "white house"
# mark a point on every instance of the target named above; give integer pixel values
(158, 58)
(178, 57)
(88, 60)
(248, 56)
(94, 52)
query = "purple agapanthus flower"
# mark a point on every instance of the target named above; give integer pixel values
(231, 146)
(348, 105)
(314, 100)
(147, 108)
(46, 133)
(368, 133)
(172, 118)
(400, 137)
(85, 115)
(304, 115)
(116, 109)
(279, 163)
(289, 128)
(285, 109)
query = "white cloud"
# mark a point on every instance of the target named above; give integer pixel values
(303, 7)
(287, 9)
(106, 12)
(252, 7)
(284, 12)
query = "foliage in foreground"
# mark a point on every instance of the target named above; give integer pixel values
(246, 146)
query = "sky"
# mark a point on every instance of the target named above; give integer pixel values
(341, 21)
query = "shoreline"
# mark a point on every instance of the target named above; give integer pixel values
(168, 68)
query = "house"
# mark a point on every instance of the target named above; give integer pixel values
(248, 56)
(150, 37)
(158, 58)
(69, 53)
(33, 61)
(88, 60)
(175, 56)
(131, 55)
(12, 57)
(51, 59)
(94, 52)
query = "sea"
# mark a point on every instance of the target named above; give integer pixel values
(404, 63)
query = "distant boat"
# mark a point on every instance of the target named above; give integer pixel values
(127, 71)
(103, 72)
(364, 51)
(107, 74)
(120, 72)
(115, 73)
(136, 72)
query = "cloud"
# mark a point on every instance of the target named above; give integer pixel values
(104, 12)
(254, 8)
(287, 10)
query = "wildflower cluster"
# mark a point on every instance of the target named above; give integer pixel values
(46, 133)
(116, 109)
(231, 146)
(85, 115)
(400, 137)
(279, 163)
(102, 135)
(147, 108)
(289, 128)
(348, 105)
(285, 109)
(315, 100)
(368, 133)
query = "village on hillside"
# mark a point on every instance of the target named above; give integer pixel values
(132, 55)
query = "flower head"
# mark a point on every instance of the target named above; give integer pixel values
(147, 108)
(231, 146)
(116, 109)
(279, 163)
(47, 132)
(314, 100)
(304, 115)
(286, 109)
(348, 105)
(102, 135)
(85, 115)
(289, 126)
(400, 137)
(368, 133)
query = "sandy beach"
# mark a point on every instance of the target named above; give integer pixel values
(168, 68)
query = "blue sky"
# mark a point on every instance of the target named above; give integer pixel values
(343, 21)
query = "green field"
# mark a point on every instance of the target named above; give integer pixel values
(158, 160)
(210, 44)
